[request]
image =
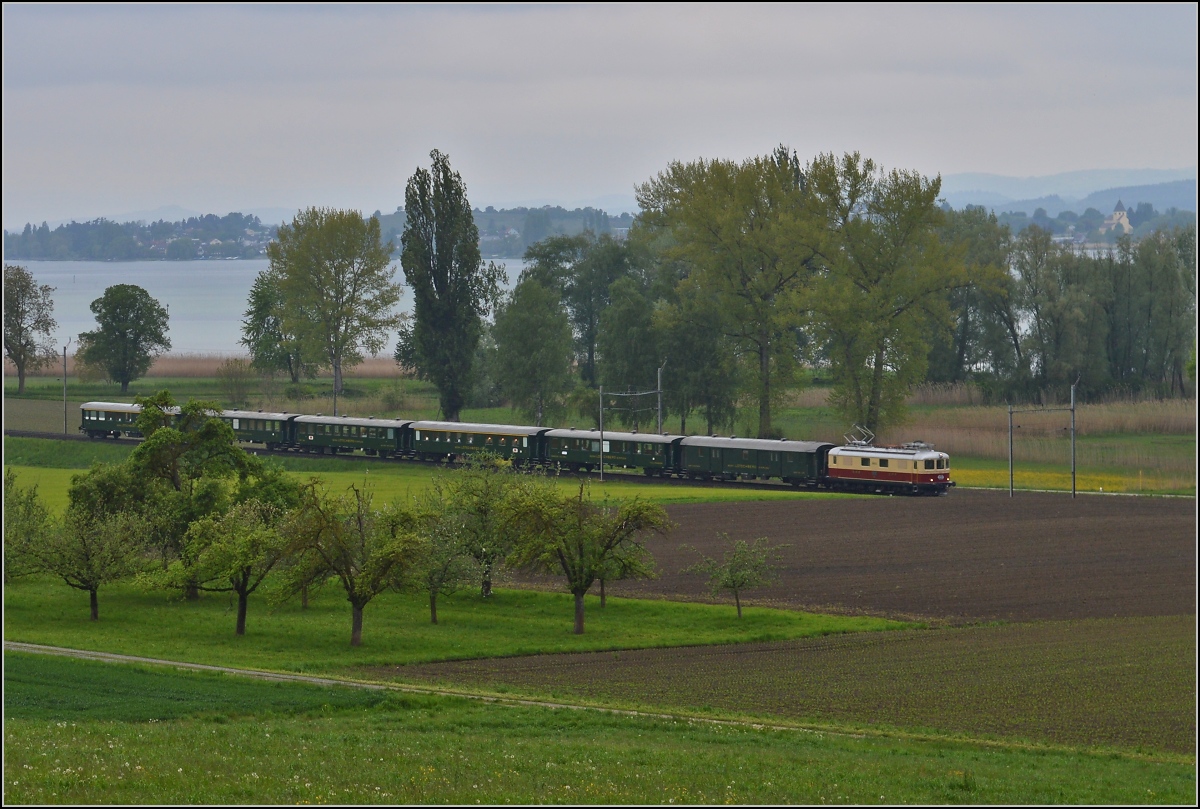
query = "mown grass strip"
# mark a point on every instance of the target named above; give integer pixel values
(417, 749)
(396, 626)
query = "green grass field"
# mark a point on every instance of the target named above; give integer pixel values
(86, 732)
(396, 626)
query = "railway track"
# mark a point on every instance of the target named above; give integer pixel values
(609, 474)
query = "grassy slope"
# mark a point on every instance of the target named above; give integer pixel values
(76, 732)
(396, 627)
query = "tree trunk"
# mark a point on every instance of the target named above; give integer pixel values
(603, 601)
(125, 386)
(95, 605)
(192, 591)
(337, 376)
(20, 378)
(485, 587)
(356, 625)
(737, 601)
(304, 597)
(243, 602)
(433, 606)
(579, 613)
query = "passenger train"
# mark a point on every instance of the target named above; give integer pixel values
(858, 465)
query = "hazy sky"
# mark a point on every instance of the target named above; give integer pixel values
(216, 108)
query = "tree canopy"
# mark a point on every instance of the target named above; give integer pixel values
(453, 290)
(335, 279)
(131, 331)
(28, 322)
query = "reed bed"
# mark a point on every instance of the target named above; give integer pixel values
(1166, 417)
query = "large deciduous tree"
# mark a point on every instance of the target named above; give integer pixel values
(335, 277)
(28, 323)
(744, 233)
(533, 350)
(131, 331)
(453, 289)
(887, 275)
(272, 347)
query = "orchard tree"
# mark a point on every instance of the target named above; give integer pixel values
(27, 523)
(131, 331)
(746, 565)
(582, 540)
(477, 500)
(447, 563)
(367, 550)
(335, 278)
(90, 553)
(533, 350)
(231, 553)
(453, 290)
(28, 324)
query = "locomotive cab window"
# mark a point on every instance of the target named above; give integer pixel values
(866, 461)
(883, 462)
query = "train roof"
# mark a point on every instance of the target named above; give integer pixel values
(474, 427)
(114, 407)
(355, 420)
(871, 451)
(257, 414)
(778, 445)
(613, 435)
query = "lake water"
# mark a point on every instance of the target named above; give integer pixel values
(205, 300)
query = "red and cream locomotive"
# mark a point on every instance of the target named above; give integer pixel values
(913, 468)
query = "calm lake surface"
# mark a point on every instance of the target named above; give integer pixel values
(205, 299)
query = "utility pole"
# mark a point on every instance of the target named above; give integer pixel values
(65, 385)
(1010, 469)
(660, 370)
(1073, 384)
(601, 433)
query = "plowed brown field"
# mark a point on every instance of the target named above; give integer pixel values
(968, 556)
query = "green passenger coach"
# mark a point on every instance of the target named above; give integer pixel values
(333, 434)
(714, 457)
(257, 427)
(449, 440)
(578, 450)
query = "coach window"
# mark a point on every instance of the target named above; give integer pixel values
(235, 424)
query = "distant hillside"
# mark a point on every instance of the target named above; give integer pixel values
(1180, 194)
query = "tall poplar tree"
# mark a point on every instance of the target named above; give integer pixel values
(453, 290)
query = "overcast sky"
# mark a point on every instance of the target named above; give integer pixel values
(216, 108)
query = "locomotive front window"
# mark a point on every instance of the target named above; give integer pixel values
(929, 464)
(941, 464)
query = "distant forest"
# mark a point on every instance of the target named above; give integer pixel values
(503, 233)
(1085, 227)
